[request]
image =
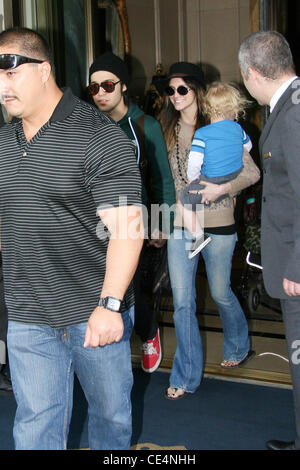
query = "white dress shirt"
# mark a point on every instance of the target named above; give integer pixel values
(277, 95)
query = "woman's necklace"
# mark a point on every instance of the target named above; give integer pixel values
(179, 161)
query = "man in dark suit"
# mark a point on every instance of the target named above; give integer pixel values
(269, 75)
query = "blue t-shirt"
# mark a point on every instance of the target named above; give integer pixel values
(221, 143)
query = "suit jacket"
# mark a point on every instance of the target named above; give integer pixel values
(280, 151)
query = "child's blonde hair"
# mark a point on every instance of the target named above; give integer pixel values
(224, 100)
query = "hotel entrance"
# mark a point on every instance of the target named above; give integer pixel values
(79, 30)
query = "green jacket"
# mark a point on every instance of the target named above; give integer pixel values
(159, 177)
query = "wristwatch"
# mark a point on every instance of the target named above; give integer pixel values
(110, 303)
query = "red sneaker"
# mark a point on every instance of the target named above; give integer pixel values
(151, 354)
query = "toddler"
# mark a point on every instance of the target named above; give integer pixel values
(215, 155)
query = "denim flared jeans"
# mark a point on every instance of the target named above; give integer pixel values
(43, 361)
(188, 360)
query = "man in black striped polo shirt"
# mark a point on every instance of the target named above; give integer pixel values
(64, 165)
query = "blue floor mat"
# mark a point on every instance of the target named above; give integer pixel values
(221, 415)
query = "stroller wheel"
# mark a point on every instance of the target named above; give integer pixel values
(253, 299)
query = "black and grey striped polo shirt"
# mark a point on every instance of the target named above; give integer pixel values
(50, 188)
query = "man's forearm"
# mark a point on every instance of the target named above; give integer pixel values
(126, 229)
(121, 263)
(126, 240)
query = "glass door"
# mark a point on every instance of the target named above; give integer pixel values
(77, 31)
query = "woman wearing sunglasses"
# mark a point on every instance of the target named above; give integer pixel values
(181, 115)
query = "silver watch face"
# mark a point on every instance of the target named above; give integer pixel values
(113, 304)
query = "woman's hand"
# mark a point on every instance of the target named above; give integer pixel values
(213, 191)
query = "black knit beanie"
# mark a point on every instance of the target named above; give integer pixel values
(111, 63)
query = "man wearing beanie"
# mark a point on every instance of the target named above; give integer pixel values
(151, 154)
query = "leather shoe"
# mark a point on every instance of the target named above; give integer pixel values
(281, 445)
(5, 384)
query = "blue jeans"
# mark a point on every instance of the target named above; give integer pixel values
(42, 364)
(188, 360)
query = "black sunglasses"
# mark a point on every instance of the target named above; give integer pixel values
(11, 61)
(182, 90)
(108, 86)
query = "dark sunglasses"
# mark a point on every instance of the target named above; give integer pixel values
(182, 90)
(108, 86)
(11, 61)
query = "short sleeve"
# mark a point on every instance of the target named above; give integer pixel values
(110, 170)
